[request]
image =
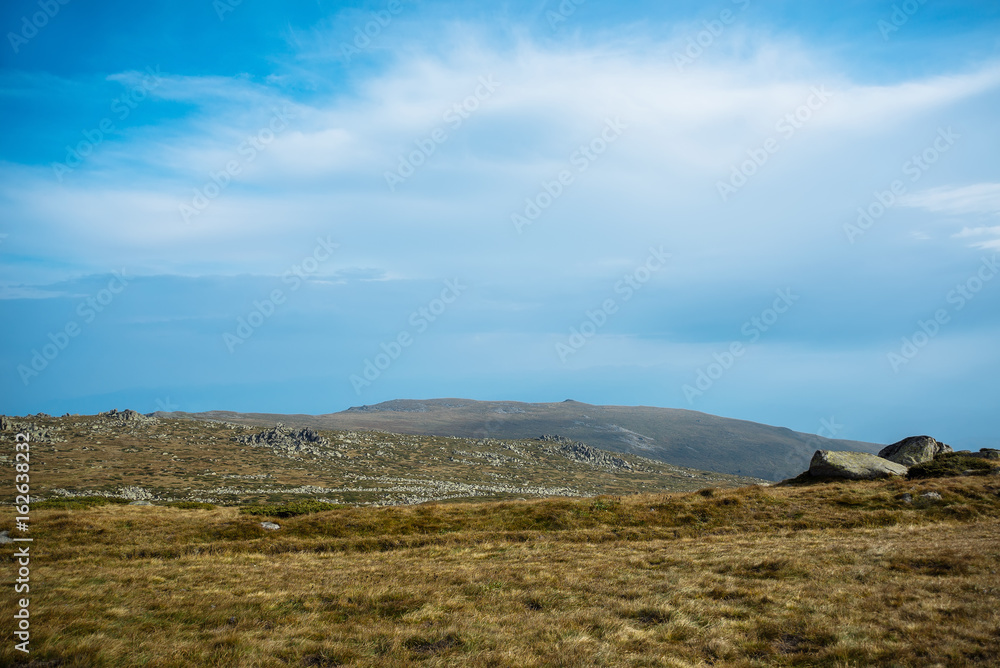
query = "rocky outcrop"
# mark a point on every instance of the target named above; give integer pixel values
(853, 466)
(287, 441)
(984, 453)
(914, 450)
(127, 417)
(35, 433)
(585, 454)
(114, 421)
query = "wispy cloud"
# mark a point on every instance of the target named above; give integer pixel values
(958, 200)
(978, 201)
(329, 163)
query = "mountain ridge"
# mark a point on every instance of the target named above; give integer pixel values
(680, 437)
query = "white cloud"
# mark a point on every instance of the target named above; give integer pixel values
(977, 232)
(32, 292)
(976, 200)
(957, 200)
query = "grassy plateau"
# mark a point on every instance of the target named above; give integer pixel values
(365, 548)
(828, 574)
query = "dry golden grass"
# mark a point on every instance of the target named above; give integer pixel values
(826, 575)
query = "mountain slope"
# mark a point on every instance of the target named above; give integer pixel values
(130, 456)
(675, 436)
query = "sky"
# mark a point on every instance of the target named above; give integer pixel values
(778, 211)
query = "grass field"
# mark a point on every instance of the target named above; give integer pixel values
(831, 574)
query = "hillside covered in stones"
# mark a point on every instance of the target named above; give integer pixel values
(132, 456)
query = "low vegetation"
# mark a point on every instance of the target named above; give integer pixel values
(77, 503)
(834, 574)
(190, 505)
(291, 509)
(952, 464)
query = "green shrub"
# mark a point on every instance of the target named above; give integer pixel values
(290, 509)
(950, 464)
(190, 505)
(76, 503)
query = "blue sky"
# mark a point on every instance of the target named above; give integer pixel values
(779, 211)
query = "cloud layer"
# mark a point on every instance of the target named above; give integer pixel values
(538, 170)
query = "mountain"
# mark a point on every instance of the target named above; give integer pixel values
(675, 436)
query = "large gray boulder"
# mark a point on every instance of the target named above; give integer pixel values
(914, 450)
(852, 466)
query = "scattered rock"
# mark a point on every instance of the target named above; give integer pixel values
(914, 450)
(988, 453)
(931, 496)
(140, 503)
(270, 526)
(852, 466)
(5, 538)
(906, 498)
(135, 493)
